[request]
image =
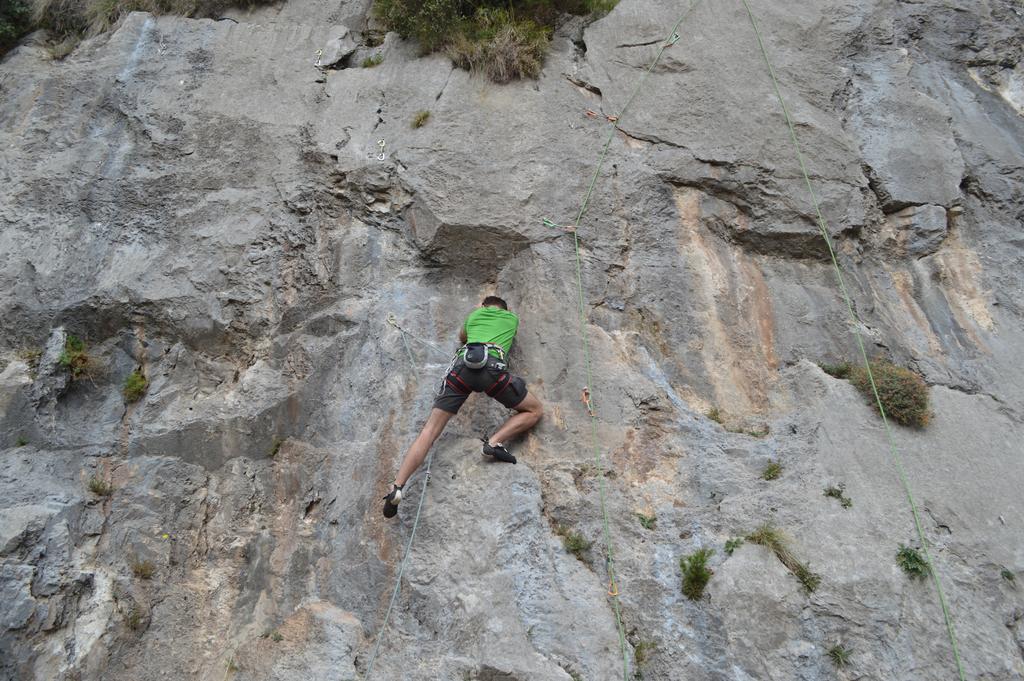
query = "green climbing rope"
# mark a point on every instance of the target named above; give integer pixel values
(894, 452)
(412, 533)
(613, 590)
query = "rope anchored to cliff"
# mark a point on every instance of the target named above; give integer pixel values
(415, 523)
(613, 125)
(894, 452)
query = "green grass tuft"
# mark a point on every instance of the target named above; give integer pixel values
(647, 521)
(771, 537)
(275, 446)
(574, 542)
(912, 562)
(838, 492)
(100, 487)
(142, 568)
(841, 370)
(420, 119)
(135, 386)
(21, 441)
(74, 357)
(715, 414)
(1008, 575)
(733, 544)
(840, 656)
(696, 573)
(772, 471)
(374, 60)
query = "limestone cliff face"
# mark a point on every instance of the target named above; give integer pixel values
(197, 198)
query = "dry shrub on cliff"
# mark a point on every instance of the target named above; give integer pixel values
(505, 40)
(903, 394)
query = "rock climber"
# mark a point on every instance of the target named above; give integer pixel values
(479, 366)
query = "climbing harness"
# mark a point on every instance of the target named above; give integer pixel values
(614, 121)
(893, 451)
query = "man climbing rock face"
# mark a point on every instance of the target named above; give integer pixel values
(479, 366)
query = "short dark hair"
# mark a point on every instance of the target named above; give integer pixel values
(495, 301)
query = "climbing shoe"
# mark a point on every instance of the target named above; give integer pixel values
(498, 452)
(391, 500)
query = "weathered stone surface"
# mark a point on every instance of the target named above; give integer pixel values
(199, 199)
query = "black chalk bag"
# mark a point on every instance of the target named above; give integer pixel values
(475, 356)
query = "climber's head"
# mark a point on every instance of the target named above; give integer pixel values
(494, 301)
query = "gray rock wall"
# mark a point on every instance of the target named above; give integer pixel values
(198, 199)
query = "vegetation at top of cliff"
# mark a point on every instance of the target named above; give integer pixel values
(505, 40)
(77, 18)
(15, 21)
(903, 393)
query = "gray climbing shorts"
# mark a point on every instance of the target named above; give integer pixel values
(492, 379)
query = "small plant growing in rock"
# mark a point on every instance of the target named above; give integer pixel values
(838, 492)
(276, 636)
(1008, 576)
(143, 568)
(21, 441)
(839, 655)
(420, 119)
(841, 370)
(31, 357)
(696, 573)
(715, 414)
(642, 652)
(275, 446)
(912, 562)
(74, 358)
(647, 521)
(135, 386)
(100, 487)
(733, 544)
(772, 471)
(772, 538)
(574, 542)
(374, 60)
(133, 617)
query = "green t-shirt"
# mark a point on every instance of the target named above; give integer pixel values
(492, 325)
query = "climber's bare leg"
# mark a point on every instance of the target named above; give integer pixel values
(529, 412)
(432, 429)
